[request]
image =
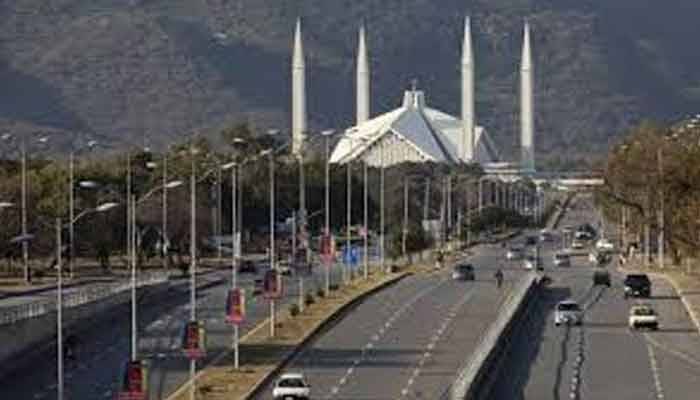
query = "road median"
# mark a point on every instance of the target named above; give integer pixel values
(261, 357)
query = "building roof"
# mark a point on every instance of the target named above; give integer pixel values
(411, 133)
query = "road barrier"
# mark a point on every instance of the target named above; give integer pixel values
(474, 380)
(74, 298)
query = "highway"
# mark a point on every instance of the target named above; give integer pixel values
(616, 363)
(409, 340)
(105, 346)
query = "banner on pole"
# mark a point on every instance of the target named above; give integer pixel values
(235, 306)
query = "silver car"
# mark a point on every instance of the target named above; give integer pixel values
(568, 312)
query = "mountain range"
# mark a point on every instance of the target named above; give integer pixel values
(134, 72)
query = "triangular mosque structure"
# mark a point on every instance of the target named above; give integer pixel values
(415, 132)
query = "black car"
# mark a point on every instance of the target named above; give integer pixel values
(601, 278)
(637, 285)
(248, 267)
(463, 272)
(531, 241)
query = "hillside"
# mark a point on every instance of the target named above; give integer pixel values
(152, 70)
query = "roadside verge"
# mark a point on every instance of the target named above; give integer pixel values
(261, 357)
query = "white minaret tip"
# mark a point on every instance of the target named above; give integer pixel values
(466, 142)
(526, 63)
(299, 118)
(298, 57)
(527, 112)
(363, 78)
(467, 44)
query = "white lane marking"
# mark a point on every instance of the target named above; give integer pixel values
(431, 345)
(655, 371)
(382, 331)
(690, 360)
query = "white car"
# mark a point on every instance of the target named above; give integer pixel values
(562, 260)
(643, 316)
(291, 386)
(514, 253)
(577, 244)
(568, 312)
(531, 263)
(604, 244)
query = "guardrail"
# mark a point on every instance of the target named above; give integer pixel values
(474, 374)
(10, 315)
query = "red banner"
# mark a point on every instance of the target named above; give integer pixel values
(235, 306)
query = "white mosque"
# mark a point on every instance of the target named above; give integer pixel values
(415, 132)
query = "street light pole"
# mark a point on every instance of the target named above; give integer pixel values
(273, 265)
(381, 207)
(405, 216)
(219, 215)
(234, 261)
(193, 265)
(25, 243)
(164, 218)
(134, 338)
(59, 311)
(349, 217)
(71, 214)
(327, 211)
(365, 218)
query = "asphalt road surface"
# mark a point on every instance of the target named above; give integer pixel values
(105, 346)
(616, 363)
(409, 340)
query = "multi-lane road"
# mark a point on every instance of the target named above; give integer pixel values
(105, 346)
(410, 340)
(615, 363)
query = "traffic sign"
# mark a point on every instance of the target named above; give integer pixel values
(235, 306)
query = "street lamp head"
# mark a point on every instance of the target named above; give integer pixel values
(265, 152)
(91, 143)
(228, 166)
(43, 139)
(273, 132)
(151, 165)
(6, 204)
(106, 206)
(6, 136)
(238, 140)
(88, 184)
(328, 132)
(173, 184)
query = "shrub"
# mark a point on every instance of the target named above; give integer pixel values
(293, 310)
(333, 287)
(320, 293)
(309, 299)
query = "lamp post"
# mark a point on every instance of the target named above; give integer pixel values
(193, 260)
(327, 134)
(381, 208)
(71, 211)
(364, 221)
(404, 231)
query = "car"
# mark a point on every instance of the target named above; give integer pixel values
(568, 312)
(531, 262)
(514, 253)
(545, 236)
(604, 244)
(258, 287)
(463, 272)
(577, 244)
(643, 316)
(284, 270)
(531, 241)
(601, 277)
(291, 386)
(637, 285)
(248, 267)
(562, 260)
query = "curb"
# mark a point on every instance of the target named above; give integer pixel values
(315, 332)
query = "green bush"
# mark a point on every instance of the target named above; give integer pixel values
(294, 310)
(333, 287)
(309, 299)
(320, 293)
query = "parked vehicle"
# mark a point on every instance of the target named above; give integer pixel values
(514, 253)
(248, 267)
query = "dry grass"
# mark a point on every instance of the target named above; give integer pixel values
(260, 355)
